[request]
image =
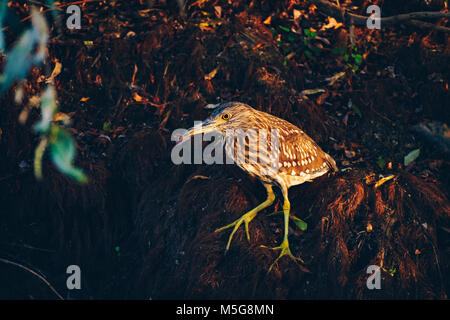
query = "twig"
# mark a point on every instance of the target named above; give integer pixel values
(34, 273)
(427, 25)
(338, 12)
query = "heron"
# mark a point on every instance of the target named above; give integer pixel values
(291, 159)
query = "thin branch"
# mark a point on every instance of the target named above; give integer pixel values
(333, 10)
(427, 25)
(34, 273)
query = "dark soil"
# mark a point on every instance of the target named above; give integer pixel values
(144, 227)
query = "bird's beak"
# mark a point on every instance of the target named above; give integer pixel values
(203, 127)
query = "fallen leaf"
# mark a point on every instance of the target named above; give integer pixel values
(383, 180)
(332, 80)
(370, 179)
(297, 14)
(137, 97)
(218, 11)
(311, 91)
(268, 20)
(56, 71)
(381, 163)
(61, 116)
(410, 157)
(350, 154)
(88, 43)
(312, 8)
(332, 23)
(212, 74)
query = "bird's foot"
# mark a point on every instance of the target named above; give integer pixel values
(285, 251)
(246, 218)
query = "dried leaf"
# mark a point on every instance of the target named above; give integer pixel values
(268, 20)
(212, 74)
(61, 116)
(137, 97)
(383, 180)
(332, 23)
(311, 91)
(218, 11)
(297, 14)
(332, 80)
(56, 71)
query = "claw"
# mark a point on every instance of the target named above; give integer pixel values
(246, 218)
(285, 251)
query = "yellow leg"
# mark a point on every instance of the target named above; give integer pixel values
(284, 247)
(247, 217)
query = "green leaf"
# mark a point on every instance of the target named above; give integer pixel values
(107, 126)
(357, 111)
(62, 152)
(274, 32)
(410, 157)
(18, 60)
(291, 37)
(307, 32)
(339, 51)
(358, 58)
(285, 63)
(346, 57)
(38, 154)
(381, 162)
(22, 56)
(308, 53)
(302, 225)
(3, 7)
(392, 271)
(48, 109)
(284, 28)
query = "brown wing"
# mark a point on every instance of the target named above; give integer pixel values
(300, 155)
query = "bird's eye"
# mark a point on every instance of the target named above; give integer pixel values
(226, 116)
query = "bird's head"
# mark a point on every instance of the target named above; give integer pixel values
(226, 116)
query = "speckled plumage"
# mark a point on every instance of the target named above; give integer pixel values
(300, 158)
(271, 149)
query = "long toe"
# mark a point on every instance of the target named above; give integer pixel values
(246, 218)
(285, 251)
